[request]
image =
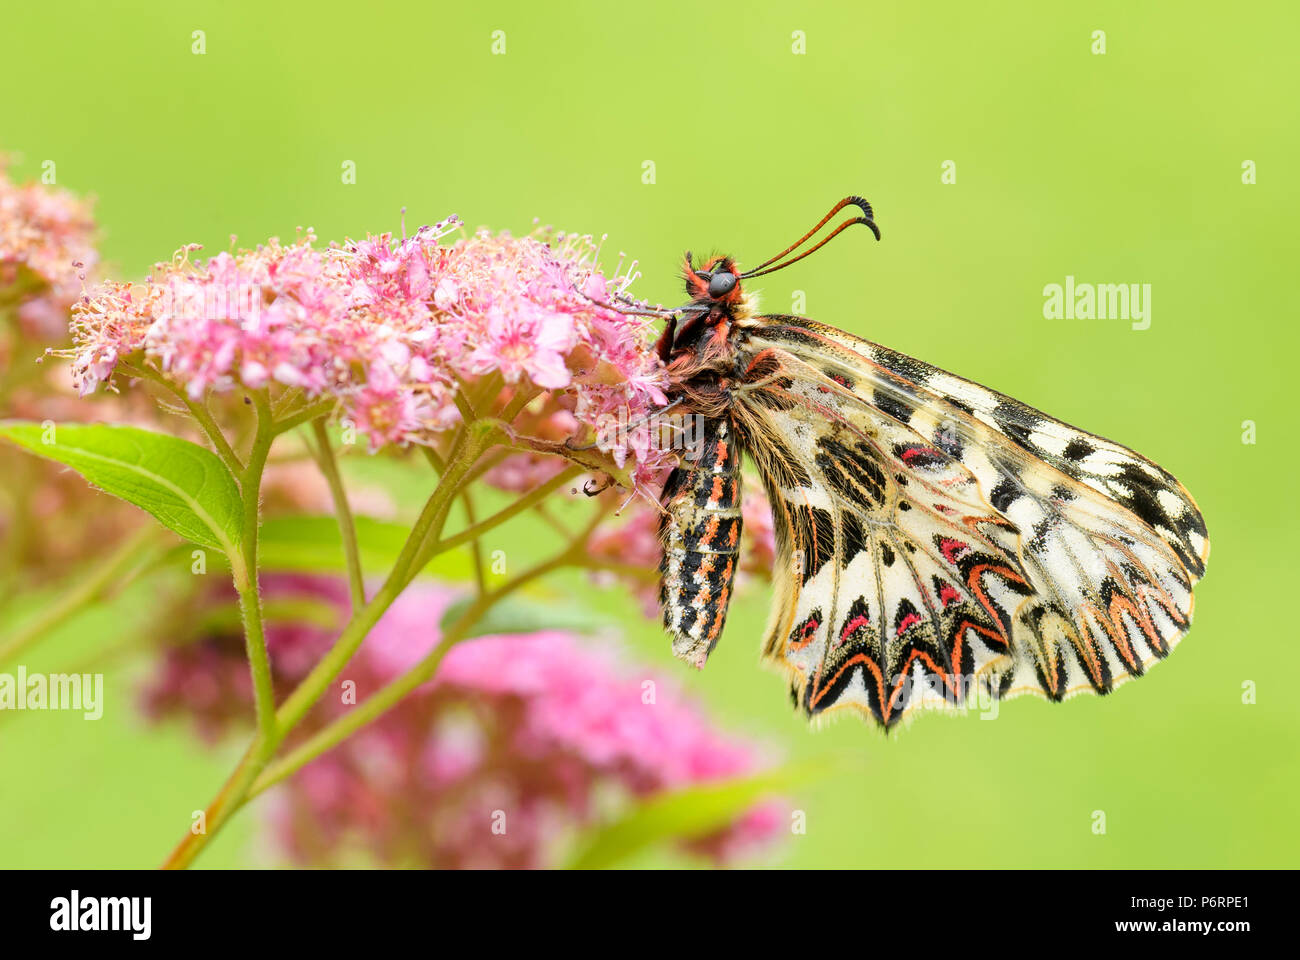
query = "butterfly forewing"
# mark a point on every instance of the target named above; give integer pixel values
(936, 537)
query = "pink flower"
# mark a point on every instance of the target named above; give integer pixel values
(519, 344)
(545, 419)
(759, 551)
(46, 248)
(533, 728)
(390, 328)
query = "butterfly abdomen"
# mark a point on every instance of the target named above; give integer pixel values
(701, 537)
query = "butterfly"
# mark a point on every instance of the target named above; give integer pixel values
(938, 542)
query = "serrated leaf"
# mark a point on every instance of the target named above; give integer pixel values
(183, 486)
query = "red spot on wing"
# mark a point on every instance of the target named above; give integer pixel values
(952, 549)
(918, 455)
(806, 633)
(908, 621)
(851, 626)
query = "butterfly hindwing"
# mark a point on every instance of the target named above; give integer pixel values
(935, 536)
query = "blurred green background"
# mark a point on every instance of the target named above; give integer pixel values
(1117, 168)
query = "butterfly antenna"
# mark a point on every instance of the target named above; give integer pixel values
(867, 219)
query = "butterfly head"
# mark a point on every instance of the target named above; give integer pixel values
(718, 300)
(716, 281)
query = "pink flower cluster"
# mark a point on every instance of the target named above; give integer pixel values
(390, 328)
(518, 742)
(45, 249)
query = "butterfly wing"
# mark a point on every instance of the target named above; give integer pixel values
(937, 538)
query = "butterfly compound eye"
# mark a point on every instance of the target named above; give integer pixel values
(721, 284)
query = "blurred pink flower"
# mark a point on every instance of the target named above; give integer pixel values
(547, 419)
(759, 551)
(203, 674)
(532, 734)
(46, 248)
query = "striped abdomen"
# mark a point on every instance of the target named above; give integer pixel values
(701, 538)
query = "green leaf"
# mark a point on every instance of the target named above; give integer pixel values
(683, 815)
(185, 487)
(521, 615)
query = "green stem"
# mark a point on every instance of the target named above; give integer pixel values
(218, 439)
(229, 799)
(320, 409)
(324, 454)
(424, 541)
(388, 696)
(117, 570)
(379, 703)
(408, 565)
(439, 465)
(523, 396)
(486, 392)
(245, 573)
(535, 496)
(286, 400)
(235, 791)
(199, 411)
(551, 521)
(476, 548)
(488, 462)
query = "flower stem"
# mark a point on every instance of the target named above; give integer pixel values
(244, 569)
(324, 454)
(535, 496)
(213, 432)
(405, 569)
(253, 775)
(229, 799)
(478, 437)
(322, 408)
(435, 461)
(199, 411)
(388, 696)
(476, 548)
(117, 570)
